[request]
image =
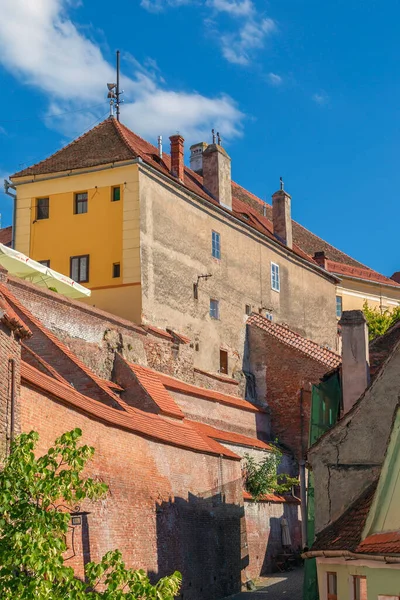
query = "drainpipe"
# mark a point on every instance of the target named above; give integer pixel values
(12, 408)
(7, 187)
(302, 476)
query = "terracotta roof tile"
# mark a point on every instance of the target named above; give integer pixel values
(274, 498)
(10, 318)
(157, 331)
(111, 142)
(230, 437)
(150, 381)
(345, 532)
(360, 273)
(78, 363)
(193, 390)
(156, 427)
(290, 338)
(6, 236)
(381, 543)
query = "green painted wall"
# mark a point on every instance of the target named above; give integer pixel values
(381, 580)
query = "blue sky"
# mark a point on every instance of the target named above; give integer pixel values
(309, 91)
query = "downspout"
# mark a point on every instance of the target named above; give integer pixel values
(12, 408)
(302, 476)
(7, 186)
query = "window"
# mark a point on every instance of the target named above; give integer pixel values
(45, 263)
(79, 268)
(223, 361)
(275, 281)
(332, 586)
(116, 193)
(339, 306)
(81, 203)
(116, 270)
(216, 245)
(248, 309)
(42, 209)
(214, 309)
(360, 587)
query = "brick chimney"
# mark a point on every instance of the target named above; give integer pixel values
(281, 216)
(217, 174)
(177, 156)
(396, 277)
(320, 259)
(196, 157)
(355, 356)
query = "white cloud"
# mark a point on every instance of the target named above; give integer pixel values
(42, 47)
(235, 8)
(156, 6)
(239, 46)
(321, 98)
(274, 79)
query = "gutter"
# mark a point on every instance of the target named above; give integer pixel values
(350, 555)
(388, 285)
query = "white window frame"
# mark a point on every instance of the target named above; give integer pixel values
(216, 245)
(275, 277)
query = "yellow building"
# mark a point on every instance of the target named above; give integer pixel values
(141, 230)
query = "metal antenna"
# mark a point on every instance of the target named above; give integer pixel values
(218, 139)
(117, 90)
(281, 180)
(213, 135)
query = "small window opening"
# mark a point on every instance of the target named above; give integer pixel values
(45, 263)
(248, 309)
(42, 209)
(223, 362)
(116, 193)
(214, 309)
(116, 270)
(81, 203)
(332, 586)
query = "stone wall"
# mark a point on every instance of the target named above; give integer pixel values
(10, 358)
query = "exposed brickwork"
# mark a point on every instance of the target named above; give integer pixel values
(281, 372)
(10, 359)
(177, 516)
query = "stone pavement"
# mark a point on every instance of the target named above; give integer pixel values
(278, 586)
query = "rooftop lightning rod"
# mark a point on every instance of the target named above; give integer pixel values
(117, 90)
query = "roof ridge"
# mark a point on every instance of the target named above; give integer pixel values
(63, 347)
(166, 403)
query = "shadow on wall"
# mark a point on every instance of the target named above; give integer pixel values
(202, 538)
(275, 546)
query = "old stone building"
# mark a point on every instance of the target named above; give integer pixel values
(159, 244)
(169, 440)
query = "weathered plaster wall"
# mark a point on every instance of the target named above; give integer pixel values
(349, 457)
(176, 235)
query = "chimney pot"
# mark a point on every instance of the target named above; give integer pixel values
(196, 157)
(282, 218)
(217, 174)
(177, 156)
(320, 259)
(355, 356)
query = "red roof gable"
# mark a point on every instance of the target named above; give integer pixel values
(359, 273)
(290, 338)
(10, 318)
(150, 381)
(230, 437)
(381, 543)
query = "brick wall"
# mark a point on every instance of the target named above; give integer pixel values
(10, 350)
(166, 509)
(281, 372)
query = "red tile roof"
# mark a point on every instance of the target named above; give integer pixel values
(60, 345)
(381, 543)
(6, 236)
(345, 532)
(230, 437)
(193, 390)
(359, 273)
(156, 427)
(111, 142)
(9, 317)
(150, 381)
(294, 340)
(274, 498)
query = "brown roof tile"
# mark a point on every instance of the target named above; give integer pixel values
(150, 381)
(290, 338)
(345, 532)
(274, 498)
(359, 273)
(230, 437)
(381, 543)
(175, 433)
(6, 236)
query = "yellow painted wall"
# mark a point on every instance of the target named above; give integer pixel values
(108, 232)
(354, 293)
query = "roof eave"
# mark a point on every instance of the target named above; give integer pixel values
(389, 285)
